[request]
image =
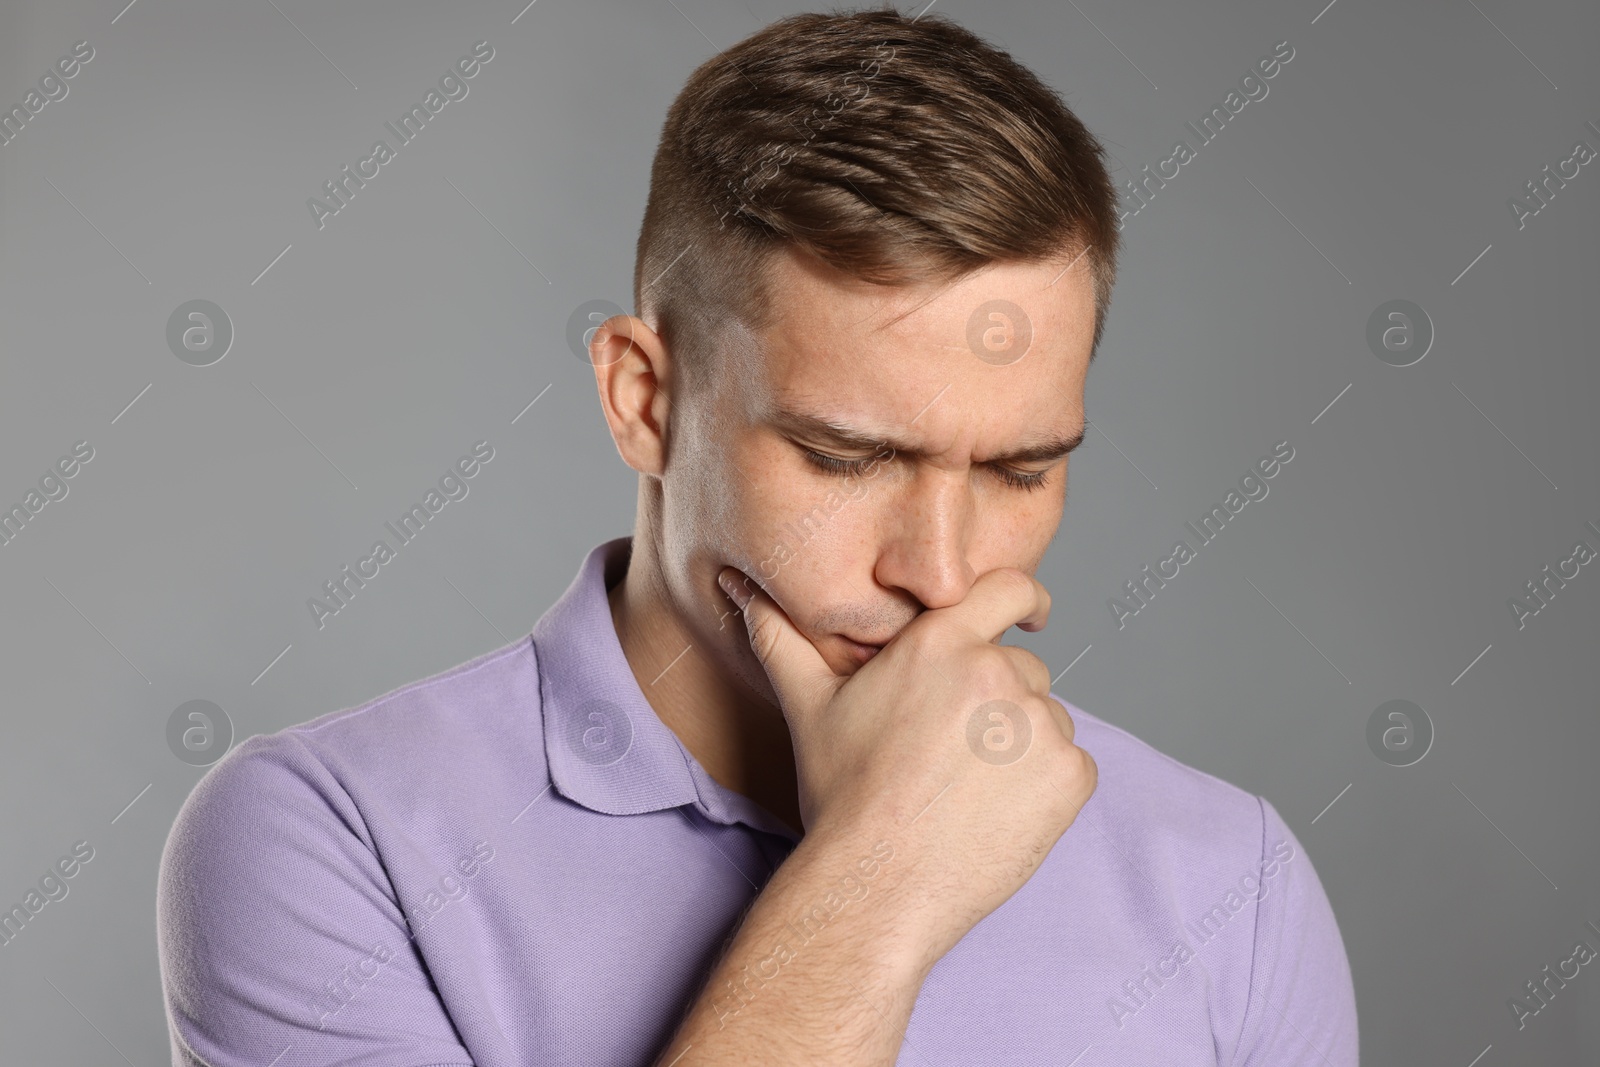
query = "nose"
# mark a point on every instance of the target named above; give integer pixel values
(925, 552)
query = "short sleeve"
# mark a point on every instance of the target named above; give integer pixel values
(1302, 1009)
(280, 937)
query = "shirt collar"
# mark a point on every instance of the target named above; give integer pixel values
(605, 746)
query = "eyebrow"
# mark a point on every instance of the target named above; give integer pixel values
(843, 435)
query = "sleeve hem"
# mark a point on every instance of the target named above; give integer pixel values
(1255, 941)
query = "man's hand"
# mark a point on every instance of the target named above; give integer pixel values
(945, 743)
(947, 747)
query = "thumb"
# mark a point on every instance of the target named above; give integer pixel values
(799, 675)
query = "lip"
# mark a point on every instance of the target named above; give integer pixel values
(860, 652)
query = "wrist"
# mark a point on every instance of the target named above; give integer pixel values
(850, 887)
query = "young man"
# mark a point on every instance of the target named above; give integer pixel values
(818, 815)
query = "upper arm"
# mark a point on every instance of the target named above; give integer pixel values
(1301, 1010)
(279, 933)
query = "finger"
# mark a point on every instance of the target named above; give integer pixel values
(799, 674)
(1031, 667)
(999, 599)
(1063, 718)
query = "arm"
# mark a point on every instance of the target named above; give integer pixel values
(278, 928)
(966, 775)
(824, 970)
(1302, 1008)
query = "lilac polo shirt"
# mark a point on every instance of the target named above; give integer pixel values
(516, 863)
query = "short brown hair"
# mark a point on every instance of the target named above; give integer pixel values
(898, 150)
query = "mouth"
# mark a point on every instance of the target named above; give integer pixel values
(860, 651)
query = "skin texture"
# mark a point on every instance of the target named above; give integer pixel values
(721, 485)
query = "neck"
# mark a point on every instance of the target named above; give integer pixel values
(740, 740)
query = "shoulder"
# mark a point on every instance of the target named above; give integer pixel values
(446, 715)
(300, 867)
(1145, 794)
(1231, 881)
(462, 730)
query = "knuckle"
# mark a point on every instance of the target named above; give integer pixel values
(1017, 582)
(1088, 770)
(1036, 715)
(1030, 658)
(763, 638)
(1048, 712)
(1035, 672)
(992, 670)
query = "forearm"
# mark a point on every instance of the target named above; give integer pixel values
(824, 970)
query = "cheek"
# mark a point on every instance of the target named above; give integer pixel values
(813, 529)
(1035, 518)
(724, 496)
(1014, 528)
(708, 485)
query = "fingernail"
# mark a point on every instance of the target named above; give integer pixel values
(730, 585)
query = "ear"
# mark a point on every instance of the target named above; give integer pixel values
(632, 371)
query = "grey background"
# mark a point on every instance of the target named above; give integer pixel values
(431, 311)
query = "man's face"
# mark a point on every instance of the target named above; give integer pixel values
(855, 553)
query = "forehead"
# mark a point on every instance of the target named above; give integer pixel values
(1010, 341)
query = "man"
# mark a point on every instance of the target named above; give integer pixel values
(818, 815)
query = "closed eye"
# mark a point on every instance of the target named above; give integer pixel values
(1027, 480)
